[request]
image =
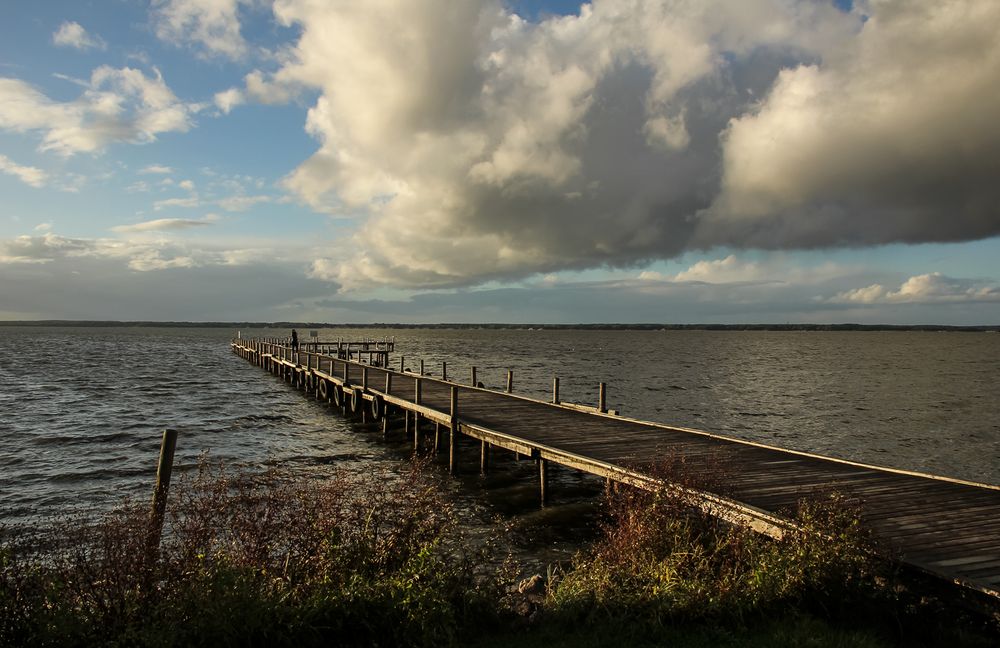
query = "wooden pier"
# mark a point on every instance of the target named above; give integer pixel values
(944, 527)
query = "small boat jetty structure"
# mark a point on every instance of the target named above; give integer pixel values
(943, 527)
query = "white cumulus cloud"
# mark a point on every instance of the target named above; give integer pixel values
(119, 105)
(890, 137)
(211, 25)
(474, 144)
(29, 175)
(928, 288)
(229, 99)
(72, 34)
(486, 146)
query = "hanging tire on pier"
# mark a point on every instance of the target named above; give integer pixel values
(356, 401)
(323, 390)
(377, 407)
(337, 395)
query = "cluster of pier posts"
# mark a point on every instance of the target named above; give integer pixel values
(339, 373)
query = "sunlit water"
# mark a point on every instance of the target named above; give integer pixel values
(82, 409)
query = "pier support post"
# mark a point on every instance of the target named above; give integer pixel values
(453, 433)
(543, 480)
(484, 458)
(602, 398)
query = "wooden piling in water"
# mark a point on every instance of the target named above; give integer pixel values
(164, 468)
(555, 389)
(543, 480)
(510, 381)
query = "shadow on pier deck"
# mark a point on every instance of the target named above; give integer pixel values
(943, 527)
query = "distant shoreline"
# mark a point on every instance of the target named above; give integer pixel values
(503, 326)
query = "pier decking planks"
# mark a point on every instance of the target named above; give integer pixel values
(945, 527)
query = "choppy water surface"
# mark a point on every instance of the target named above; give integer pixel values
(82, 409)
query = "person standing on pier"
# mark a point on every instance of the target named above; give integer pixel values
(295, 340)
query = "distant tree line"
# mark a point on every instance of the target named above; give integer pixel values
(509, 326)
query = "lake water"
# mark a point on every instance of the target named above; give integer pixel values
(82, 409)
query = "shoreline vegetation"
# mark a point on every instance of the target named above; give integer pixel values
(382, 559)
(511, 326)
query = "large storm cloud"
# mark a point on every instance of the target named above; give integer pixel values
(477, 145)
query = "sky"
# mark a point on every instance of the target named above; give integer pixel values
(524, 161)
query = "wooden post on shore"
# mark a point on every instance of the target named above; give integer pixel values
(602, 398)
(163, 470)
(453, 433)
(416, 417)
(385, 407)
(543, 480)
(474, 383)
(510, 381)
(555, 389)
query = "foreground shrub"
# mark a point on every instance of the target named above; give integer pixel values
(354, 560)
(661, 560)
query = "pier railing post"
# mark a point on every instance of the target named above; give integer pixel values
(602, 398)
(453, 432)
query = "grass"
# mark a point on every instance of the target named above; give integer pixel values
(250, 561)
(381, 560)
